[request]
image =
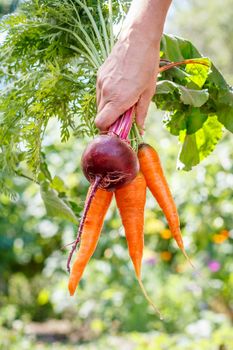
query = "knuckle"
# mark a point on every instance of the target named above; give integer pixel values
(99, 79)
(152, 90)
(105, 90)
(98, 123)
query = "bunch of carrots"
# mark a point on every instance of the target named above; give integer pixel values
(130, 199)
(114, 168)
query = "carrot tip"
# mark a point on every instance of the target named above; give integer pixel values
(71, 288)
(71, 292)
(188, 258)
(149, 299)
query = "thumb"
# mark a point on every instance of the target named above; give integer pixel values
(108, 115)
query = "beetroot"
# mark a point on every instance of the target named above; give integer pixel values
(110, 159)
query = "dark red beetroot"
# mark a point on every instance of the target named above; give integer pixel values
(110, 159)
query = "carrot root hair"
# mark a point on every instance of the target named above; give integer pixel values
(80, 230)
(180, 244)
(188, 258)
(148, 298)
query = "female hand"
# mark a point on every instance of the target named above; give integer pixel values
(128, 76)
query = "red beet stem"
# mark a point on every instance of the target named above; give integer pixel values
(176, 64)
(94, 188)
(123, 124)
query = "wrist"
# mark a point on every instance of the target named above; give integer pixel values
(135, 33)
(145, 20)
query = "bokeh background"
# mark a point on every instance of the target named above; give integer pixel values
(109, 310)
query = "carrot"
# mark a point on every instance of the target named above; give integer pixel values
(131, 201)
(151, 168)
(90, 227)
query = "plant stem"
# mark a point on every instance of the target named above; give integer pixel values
(123, 124)
(95, 28)
(175, 64)
(111, 23)
(26, 177)
(137, 134)
(78, 22)
(104, 29)
(93, 63)
(86, 48)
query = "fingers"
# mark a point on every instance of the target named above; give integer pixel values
(108, 114)
(98, 95)
(109, 111)
(142, 106)
(111, 102)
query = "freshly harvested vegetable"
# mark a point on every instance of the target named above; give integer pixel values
(74, 40)
(111, 160)
(108, 163)
(90, 227)
(152, 170)
(131, 200)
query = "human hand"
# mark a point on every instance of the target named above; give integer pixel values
(127, 78)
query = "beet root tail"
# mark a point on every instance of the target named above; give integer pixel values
(91, 195)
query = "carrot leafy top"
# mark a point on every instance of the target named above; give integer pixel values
(48, 64)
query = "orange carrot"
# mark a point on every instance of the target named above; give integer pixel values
(151, 168)
(131, 201)
(91, 229)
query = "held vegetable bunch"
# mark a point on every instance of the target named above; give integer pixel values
(112, 166)
(48, 65)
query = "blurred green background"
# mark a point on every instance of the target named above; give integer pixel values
(109, 310)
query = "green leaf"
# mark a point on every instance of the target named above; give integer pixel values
(195, 98)
(58, 184)
(175, 49)
(190, 121)
(225, 112)
(199, 145)
(189, 154)
(176, 122)
(198, 73)
(55, 206)
(195, 120)
(220, 101)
